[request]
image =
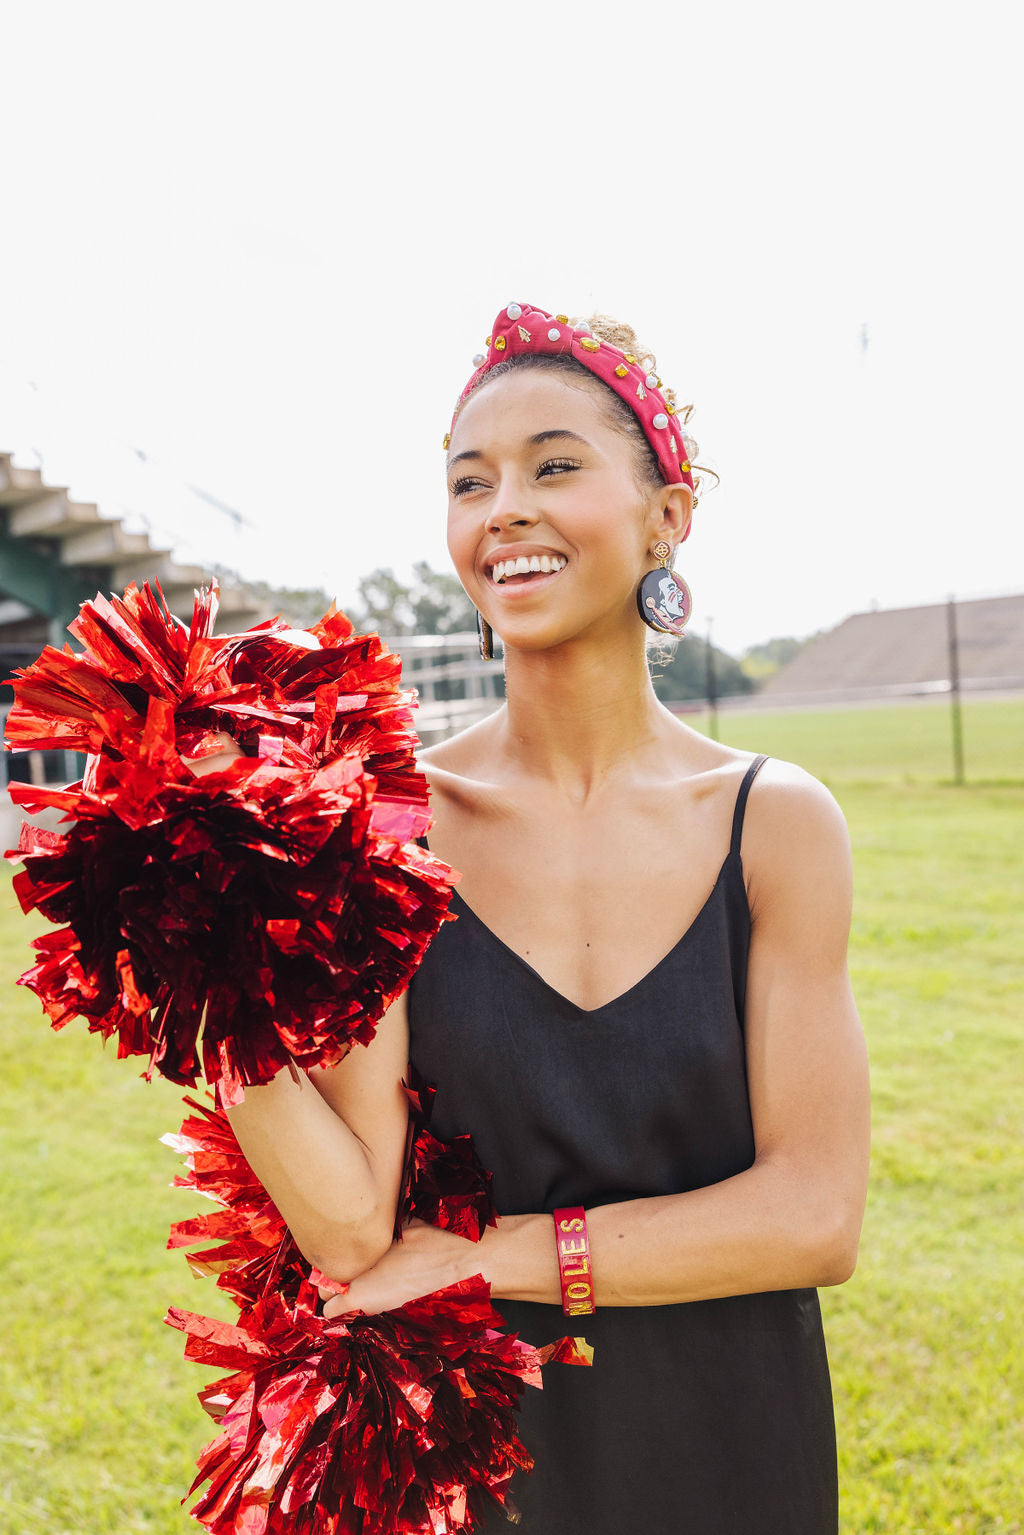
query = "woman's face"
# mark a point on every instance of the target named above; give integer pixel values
(537, 472)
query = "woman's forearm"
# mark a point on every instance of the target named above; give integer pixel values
(338, 1202)
(765, 1229)
(773, 1227)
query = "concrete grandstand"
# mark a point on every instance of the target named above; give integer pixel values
(903, 653)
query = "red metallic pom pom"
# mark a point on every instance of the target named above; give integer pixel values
(302, 697)
(254, 1252)
(445, 1182)
(399, 1424)
(278, 905)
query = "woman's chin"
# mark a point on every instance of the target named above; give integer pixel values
(534, 636)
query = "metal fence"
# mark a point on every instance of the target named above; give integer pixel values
(456, 686)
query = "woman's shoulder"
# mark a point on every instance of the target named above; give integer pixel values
(779, 791)
(460, 769)
(796, 845)
(788, 801)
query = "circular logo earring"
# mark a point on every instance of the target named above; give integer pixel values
(663, 598)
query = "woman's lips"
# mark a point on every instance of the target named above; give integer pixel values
(537, 562)
(527, 582)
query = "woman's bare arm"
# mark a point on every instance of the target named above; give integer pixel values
(329, 1148)
(793, 1218)
(329, 1145)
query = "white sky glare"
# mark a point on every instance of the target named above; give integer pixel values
(262, 244)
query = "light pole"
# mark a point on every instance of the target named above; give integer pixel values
(954, 691)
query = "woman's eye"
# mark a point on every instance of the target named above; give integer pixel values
(559, 465)
(459, 487)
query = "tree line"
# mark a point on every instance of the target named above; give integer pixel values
(433, 602)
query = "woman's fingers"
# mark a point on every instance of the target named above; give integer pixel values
(337, 1305)
(216, 760)
(332, 1288)
(426, 1259)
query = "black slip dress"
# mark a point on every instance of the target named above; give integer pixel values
(706, 1418)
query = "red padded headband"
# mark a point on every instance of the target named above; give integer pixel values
(519, 329)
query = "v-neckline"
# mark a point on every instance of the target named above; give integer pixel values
(592, 1012)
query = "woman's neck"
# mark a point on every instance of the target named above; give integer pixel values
(578, 714)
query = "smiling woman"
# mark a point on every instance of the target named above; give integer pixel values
(642, 1014)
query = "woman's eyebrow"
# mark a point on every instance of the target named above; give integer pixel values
(539, 437)
(531, 442)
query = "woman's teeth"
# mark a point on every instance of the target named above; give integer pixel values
(534, 564)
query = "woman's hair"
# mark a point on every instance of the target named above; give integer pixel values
(645, 463)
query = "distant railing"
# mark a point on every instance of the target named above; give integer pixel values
(456, 686)
(874, 693)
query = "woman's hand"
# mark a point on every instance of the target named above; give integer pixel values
(516, 1257)
(426, 1259)
(216, 760)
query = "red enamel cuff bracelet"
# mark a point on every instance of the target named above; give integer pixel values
(574, 1266)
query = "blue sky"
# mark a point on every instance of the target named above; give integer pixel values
(262, 243)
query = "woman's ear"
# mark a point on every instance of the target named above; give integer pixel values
(676, 511)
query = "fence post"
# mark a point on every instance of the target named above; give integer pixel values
(954, 692)
(711, 688)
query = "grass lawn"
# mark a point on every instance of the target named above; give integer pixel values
(98, 1422)
(891, 743)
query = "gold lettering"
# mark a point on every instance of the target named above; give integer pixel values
(572, 1248)
(574, 1225)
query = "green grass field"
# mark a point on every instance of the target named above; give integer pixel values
(98, 1421)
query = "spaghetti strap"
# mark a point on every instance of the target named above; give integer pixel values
(741, 802)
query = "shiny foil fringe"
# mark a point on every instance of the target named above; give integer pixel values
(254, 1253)
(301, 696)
(445, 1182)
(399, 1424)
(263, 914)
(277, 906)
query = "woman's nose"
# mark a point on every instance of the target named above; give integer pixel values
(509, 508)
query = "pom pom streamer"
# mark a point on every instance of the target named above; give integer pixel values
(277, 906)
(303, 697)
(363, 1425)
(255, 1253)
(445, 1184)
(399, 1424)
